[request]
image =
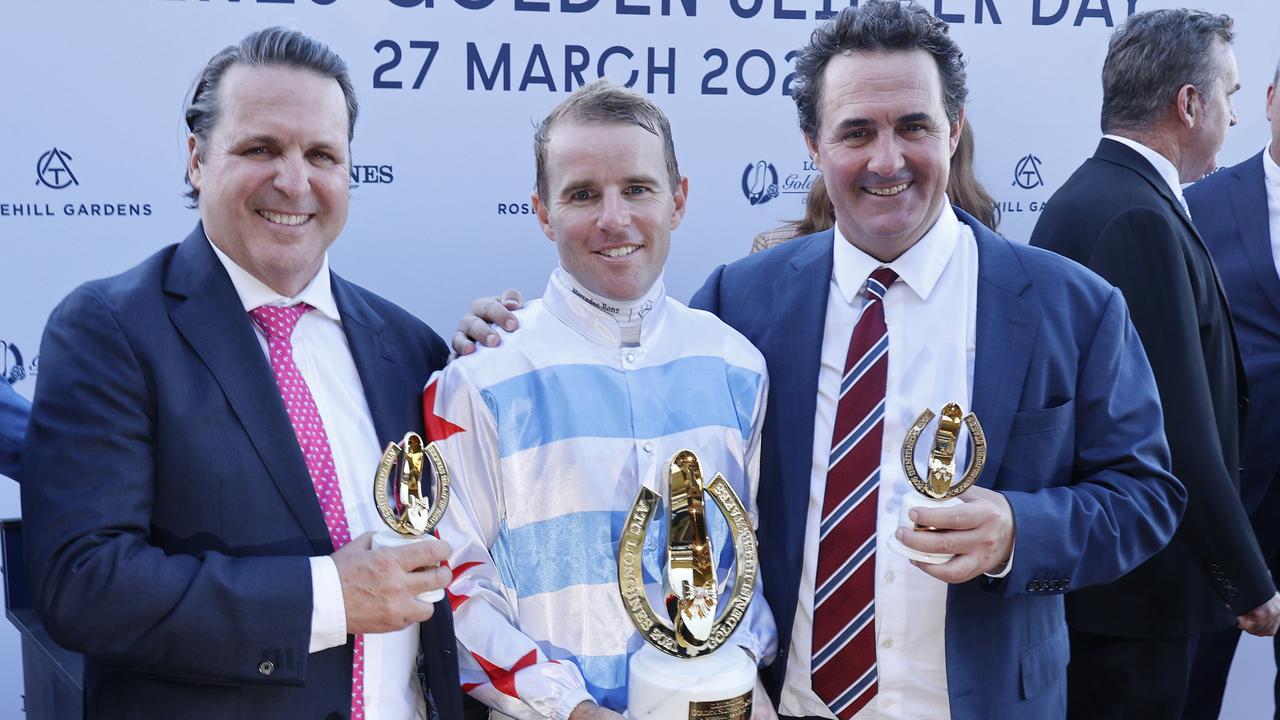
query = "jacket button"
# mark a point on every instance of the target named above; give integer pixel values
(1244, 401)
(266, 667)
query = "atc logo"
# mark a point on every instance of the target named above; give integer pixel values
(53, 170)
(760, 182)
(1026, 174)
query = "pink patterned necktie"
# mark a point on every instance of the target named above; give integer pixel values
(277, 323)
(844, 606)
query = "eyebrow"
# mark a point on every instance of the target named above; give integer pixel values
(864, 122)
(575, 184)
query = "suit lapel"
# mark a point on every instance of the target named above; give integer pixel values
(1006, 328)
(800, 302)
(377, 362)
(212, 319)
(1249, 201)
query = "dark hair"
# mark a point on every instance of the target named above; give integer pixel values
(963, 188)
(602, 102)
(1151, 56)
(877, 25)
(273, 46)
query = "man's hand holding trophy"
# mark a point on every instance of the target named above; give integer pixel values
(951, 528)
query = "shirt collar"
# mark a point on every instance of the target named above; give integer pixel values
(1161, 163)
(593, 316)
(1270, 169)
(254, 293)
(919, 267)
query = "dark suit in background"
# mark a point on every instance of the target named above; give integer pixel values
(1230, 211)
(170, 515)
(14, 411)
(1132, 638)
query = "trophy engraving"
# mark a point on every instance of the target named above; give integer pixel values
(407, 510)
(939, 488)
(687, 678)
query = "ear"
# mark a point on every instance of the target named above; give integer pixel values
(812, 143)
(544, 216)
(193, 161)
(1271, 93)
(957, 127)
(680, 197)
(1187, 105)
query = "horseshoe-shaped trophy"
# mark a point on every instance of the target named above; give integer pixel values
(940, 489)
(677, 673)
(407, 510)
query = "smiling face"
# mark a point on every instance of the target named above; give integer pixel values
(273, 174)
(884, 146)
(609, 207)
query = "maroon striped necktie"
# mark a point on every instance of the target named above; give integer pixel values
(844, 628)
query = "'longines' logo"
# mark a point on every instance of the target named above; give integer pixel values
(53, 170)
(1026, 174)
(12, 368)
(760, 182)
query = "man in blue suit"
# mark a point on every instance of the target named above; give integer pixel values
(1076, 489)
(206, 429)
(14, 411)
(1237, 212)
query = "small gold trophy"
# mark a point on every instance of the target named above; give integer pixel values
(677, 673)
(939, 490)
(408, 511)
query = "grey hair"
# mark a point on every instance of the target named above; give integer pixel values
(877, 25)
(269, 47)
(1151, 56)
(602, 102)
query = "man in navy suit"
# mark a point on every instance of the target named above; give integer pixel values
(14, 411)
(1237, 212)
(206, 429)
(1166, 105)
(1076, 489)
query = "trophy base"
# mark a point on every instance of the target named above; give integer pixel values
(717, 686)
(392, 539)
(913, 500)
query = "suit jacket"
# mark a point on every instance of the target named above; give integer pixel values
(14, 410)
(1071, 417)
(1117, 216)
(1230, 212)
(171, 516)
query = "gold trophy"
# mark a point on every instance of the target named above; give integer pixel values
(408, 511)
(677, 673)
(940, 490)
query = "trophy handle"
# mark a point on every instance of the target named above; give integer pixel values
(631, 572)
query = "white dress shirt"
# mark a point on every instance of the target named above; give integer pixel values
(1162, 164)
(392, 690)
(930, 315)
(1271, 171)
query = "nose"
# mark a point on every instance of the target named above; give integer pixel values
(291, 175)
(886, 155)
(614, 212)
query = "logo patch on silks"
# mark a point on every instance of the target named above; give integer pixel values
(1026, 174)
(760, 182)
(54, 171)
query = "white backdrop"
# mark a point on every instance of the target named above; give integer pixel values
(92, 141)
